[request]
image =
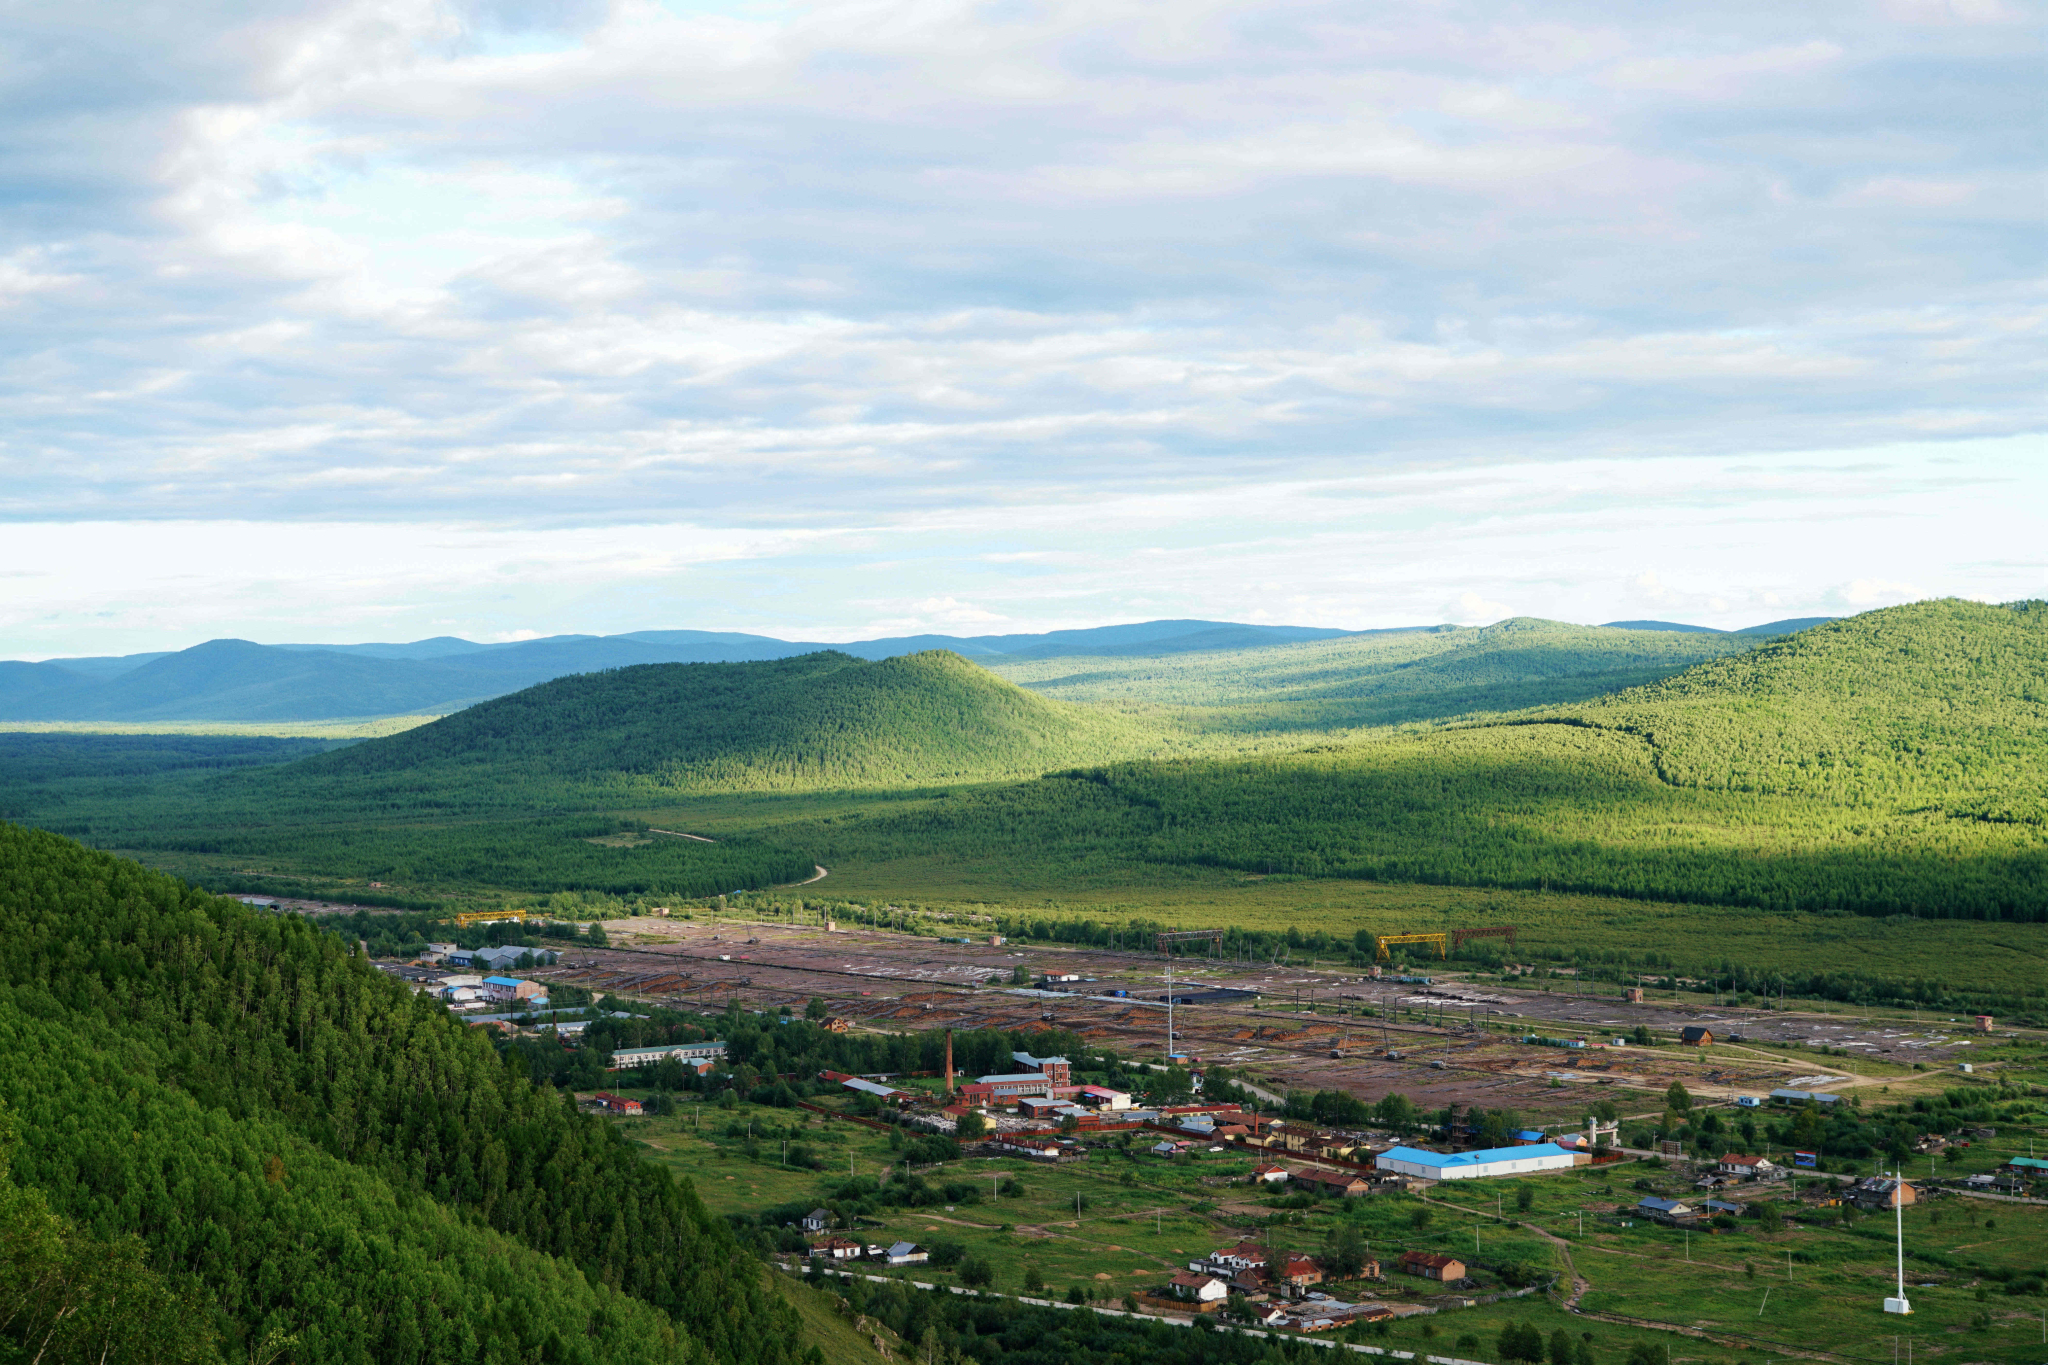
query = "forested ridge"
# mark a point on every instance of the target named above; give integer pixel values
(1891, 763)
(324, 1158)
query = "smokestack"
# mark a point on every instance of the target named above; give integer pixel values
(949, 1063)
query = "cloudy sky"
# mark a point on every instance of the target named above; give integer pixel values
(379, 320)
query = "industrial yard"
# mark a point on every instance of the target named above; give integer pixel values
(1446, 1041)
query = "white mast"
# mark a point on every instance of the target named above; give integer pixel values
(1899, 1304)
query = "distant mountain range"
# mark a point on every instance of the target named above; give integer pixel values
(236, 680)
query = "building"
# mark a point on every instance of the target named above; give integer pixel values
(1983, 1023)
(1298, 1273)
(1431, 1266)
(617, 1104)
(817, 1220)
(1057, 1069)
(2027, 1167)
(1819, 1097)
(1232, 1261)
(1746, 1167)
(1695, 1035)
(512, 988)
(1663, 1210)
(1882, 1192)
(1720, 1206)
(837, 1248)
(682, 1052)
(1006, 1088)
(1198, 1288)
(906, 1253)
(1025, 1144)
(1269, 1174)
(1347, 1184)
(1749, 1101)
(1102, 1097)
(1494, 1161)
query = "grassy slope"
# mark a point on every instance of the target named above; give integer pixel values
(1365, 680)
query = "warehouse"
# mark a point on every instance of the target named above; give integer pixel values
(1542, 1156)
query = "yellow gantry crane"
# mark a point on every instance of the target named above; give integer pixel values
(1441, 942)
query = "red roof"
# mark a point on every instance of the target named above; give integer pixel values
(1737, 1159)
(1428, 1258)
(1301, 1265)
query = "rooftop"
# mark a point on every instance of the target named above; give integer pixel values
(1419, 1157)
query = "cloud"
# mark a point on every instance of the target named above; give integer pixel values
(413, 261)
(1864, 593)
(1470, 609)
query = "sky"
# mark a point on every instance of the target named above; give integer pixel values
(380, 320)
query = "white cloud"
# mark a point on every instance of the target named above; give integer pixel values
(1468, 608)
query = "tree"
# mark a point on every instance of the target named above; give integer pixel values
(976, 1273)
(1519, 1341)
(1034, 1282)
(1561, 1352)
(1395, 1111)
(1420, 1218)
(817, 1009)
(596, 935)
(1677, 1098)
(1525, 1197)
(1641, 1037)
(1649, 1353)
(971, 1126)
(1583, 1355)
(1344, 1253)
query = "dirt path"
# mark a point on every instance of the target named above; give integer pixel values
(678, 834)
(817, 875)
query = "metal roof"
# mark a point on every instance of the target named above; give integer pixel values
(1419, 1157)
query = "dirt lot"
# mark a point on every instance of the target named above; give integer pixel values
(1456, 1042)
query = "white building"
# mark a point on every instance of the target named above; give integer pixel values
(1495, 1161)
(682, 1052)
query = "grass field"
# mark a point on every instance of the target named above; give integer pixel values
(1141, 1218)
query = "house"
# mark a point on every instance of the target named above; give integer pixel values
(906, 1253)
(1342, 1183)
(1744, 1167)
(1749, 1101)
(1198, 1288)
(508, 956)
(1881, 1192)
(1431, 1266)
(1723, 1206)
(1821, 1098)
(837, 1248)
(1695, 1035)
(1297, 1273)
(817, 1220)
(617, 1104)
(1529, 1137)
(1269, 1174)
(1231, 1261)
(836, 1024)
(2027, 1167)
(512, 988)
(1663, 1210)
(1026, 1144)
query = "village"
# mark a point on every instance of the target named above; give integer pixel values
(1188, 1184)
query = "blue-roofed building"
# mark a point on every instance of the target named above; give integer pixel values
(1529, 1137)
(1494, 1161)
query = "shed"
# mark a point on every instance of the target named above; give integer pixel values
(1696, 1035)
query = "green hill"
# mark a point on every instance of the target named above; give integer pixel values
(823, 720)
(1893, 762)
(1379, 679)
(234, 1139)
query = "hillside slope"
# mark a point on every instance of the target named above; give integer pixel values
(333, 1168)
(1381, 678)
(1891, 763)
(817, 721)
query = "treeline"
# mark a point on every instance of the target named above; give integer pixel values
(331, 1161)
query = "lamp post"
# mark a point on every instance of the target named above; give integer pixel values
(1900, 1304)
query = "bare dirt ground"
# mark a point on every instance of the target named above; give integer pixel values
(1425, 1041)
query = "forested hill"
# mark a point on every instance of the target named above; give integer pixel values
(1890, 763)
(1936, 704)
(223, 1135)
(817, 721)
